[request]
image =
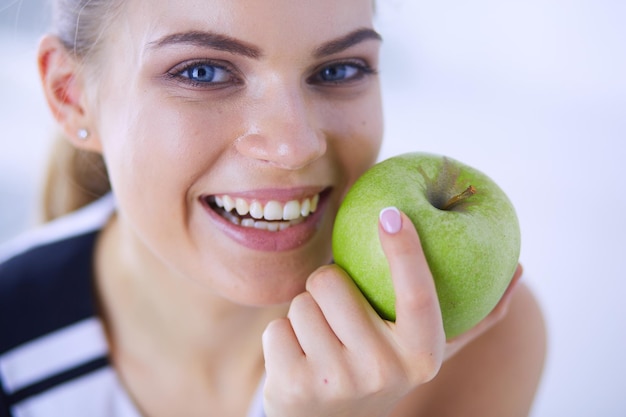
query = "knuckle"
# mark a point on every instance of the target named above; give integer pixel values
(382, 377)
(300, 303)
(386, 373)
(275, 329)
(293, 393)
(419, 300)
(270, 330)
(426, 366)
(277, 325)
(288, 389)
(322, 278)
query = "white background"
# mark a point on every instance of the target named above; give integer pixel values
(531, 92)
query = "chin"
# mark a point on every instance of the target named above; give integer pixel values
(273, 280)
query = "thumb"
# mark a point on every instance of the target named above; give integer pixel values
(418, 315)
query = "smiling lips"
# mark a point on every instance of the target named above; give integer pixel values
(272, 216)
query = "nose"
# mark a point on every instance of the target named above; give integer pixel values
(282, 129)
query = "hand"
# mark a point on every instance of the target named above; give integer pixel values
(334, 356)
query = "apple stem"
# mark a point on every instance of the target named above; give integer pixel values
(469, 191)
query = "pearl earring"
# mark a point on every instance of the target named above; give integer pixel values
(83, 134)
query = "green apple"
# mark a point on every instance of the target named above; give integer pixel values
(467, 225)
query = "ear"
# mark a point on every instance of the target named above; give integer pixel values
(64, 89)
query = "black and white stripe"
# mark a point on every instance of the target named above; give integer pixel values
(53, 348)
(53, 351)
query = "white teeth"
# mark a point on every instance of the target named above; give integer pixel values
(273, 226)
(274, 216)
(233, 219)
(242, 206)
(305, 209)
(260, 225)
(248, 222)
(256, 210)
(273, 211)
(291, 211)
(314, 202)
(229, 203)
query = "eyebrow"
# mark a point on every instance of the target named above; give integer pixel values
(209, 39)
(345, 42)
(237, 47)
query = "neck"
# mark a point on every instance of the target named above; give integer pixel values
(164, 327)
(150, 310)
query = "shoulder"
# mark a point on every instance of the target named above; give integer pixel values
(45, 278)
(89, 218)
(43, 289)
(49, 332)
(495, 375)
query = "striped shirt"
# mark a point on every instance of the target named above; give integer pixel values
(54, 358)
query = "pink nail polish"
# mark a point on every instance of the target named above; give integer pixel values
(391, 220)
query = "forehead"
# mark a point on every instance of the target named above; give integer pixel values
(268, 23)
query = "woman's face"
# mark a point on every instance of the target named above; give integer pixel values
(273, 107)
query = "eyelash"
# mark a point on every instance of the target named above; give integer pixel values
(177, 72)
(361, 68)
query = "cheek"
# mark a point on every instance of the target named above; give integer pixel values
(153, 147)
(359, 137)
(158, 157)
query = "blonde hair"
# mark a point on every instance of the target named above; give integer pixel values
(74, 177)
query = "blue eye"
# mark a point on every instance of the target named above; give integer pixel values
(337, 73)
(205, 73)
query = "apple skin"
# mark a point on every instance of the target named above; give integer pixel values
(472, 248)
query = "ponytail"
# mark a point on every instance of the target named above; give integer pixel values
(74, 179)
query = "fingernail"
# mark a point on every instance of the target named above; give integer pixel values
(390, 219)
